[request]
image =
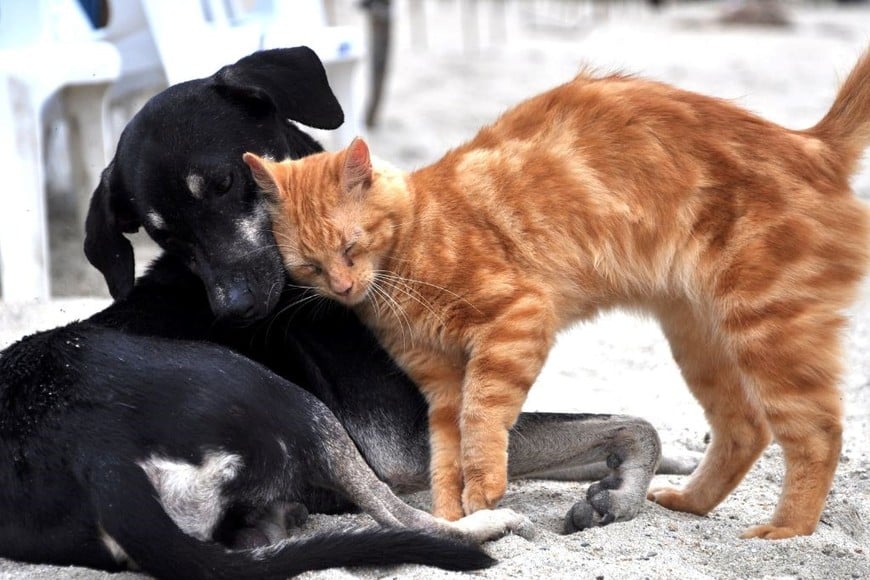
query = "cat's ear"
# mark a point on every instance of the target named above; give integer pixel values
(263, 173)
(357, 174)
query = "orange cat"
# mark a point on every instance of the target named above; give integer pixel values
(742, 237)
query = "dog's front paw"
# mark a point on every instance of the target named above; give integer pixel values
(486, 525)
(605, 503)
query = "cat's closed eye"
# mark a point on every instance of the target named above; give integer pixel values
(348, 256)
(309, 269)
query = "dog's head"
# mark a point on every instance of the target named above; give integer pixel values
(178, 172)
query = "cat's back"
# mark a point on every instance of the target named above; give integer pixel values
(607, 118)
(623, 138)
(619, 165)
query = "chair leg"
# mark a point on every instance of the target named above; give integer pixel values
(23, 229)
(379, 48)
(85, 108)
(342, 76)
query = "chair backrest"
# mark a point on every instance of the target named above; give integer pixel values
(294, 14)
(195, 38)
(24, 23)
(126, 18)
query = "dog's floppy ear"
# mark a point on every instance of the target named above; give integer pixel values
(290, 79)
(111, 215)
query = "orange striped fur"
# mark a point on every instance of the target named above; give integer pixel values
(741, 236)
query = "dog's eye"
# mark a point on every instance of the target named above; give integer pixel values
(224, 184)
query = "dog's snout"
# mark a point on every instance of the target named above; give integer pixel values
(240, 302)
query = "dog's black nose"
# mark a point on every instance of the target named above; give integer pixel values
(239, 302)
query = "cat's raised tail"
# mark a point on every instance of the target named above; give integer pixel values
(846, 127)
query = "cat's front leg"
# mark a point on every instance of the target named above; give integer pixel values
(445, 467)
(440, 380)
(505, 362)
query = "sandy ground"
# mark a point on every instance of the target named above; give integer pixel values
(446, 83)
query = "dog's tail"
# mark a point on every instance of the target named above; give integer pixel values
(134, 521)
(378, 547)
(846, 127)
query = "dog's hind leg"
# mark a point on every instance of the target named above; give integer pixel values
(343, 469)
(577, 447)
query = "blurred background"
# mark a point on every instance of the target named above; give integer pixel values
(415, 76)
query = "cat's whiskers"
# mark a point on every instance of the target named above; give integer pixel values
(288, 245)
(394, 307)
(291, 285)
(397, 310)
(306, 298)
(284, 236)
(275, 284)
(393, 276)
(401, 286)
(299, 302)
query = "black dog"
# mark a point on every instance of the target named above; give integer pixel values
(148, 434)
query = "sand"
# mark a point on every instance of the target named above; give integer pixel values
(437, 96)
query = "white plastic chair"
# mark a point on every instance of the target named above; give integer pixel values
(194, 40)
(47, 50)
(141, 68)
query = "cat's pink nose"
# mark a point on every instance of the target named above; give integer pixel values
(343, 288)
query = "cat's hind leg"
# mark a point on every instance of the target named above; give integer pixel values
(579, 447)
(739, 431)
(792, 361)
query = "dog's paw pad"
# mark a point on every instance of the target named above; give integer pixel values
(609, 482)
(593, 512)
(580, 517)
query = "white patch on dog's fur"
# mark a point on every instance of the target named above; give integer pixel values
(156, 220)
(220, 294)
(192, 494)
(251, 228)
(196, 185)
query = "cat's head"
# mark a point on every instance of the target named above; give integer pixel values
(331, 226)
